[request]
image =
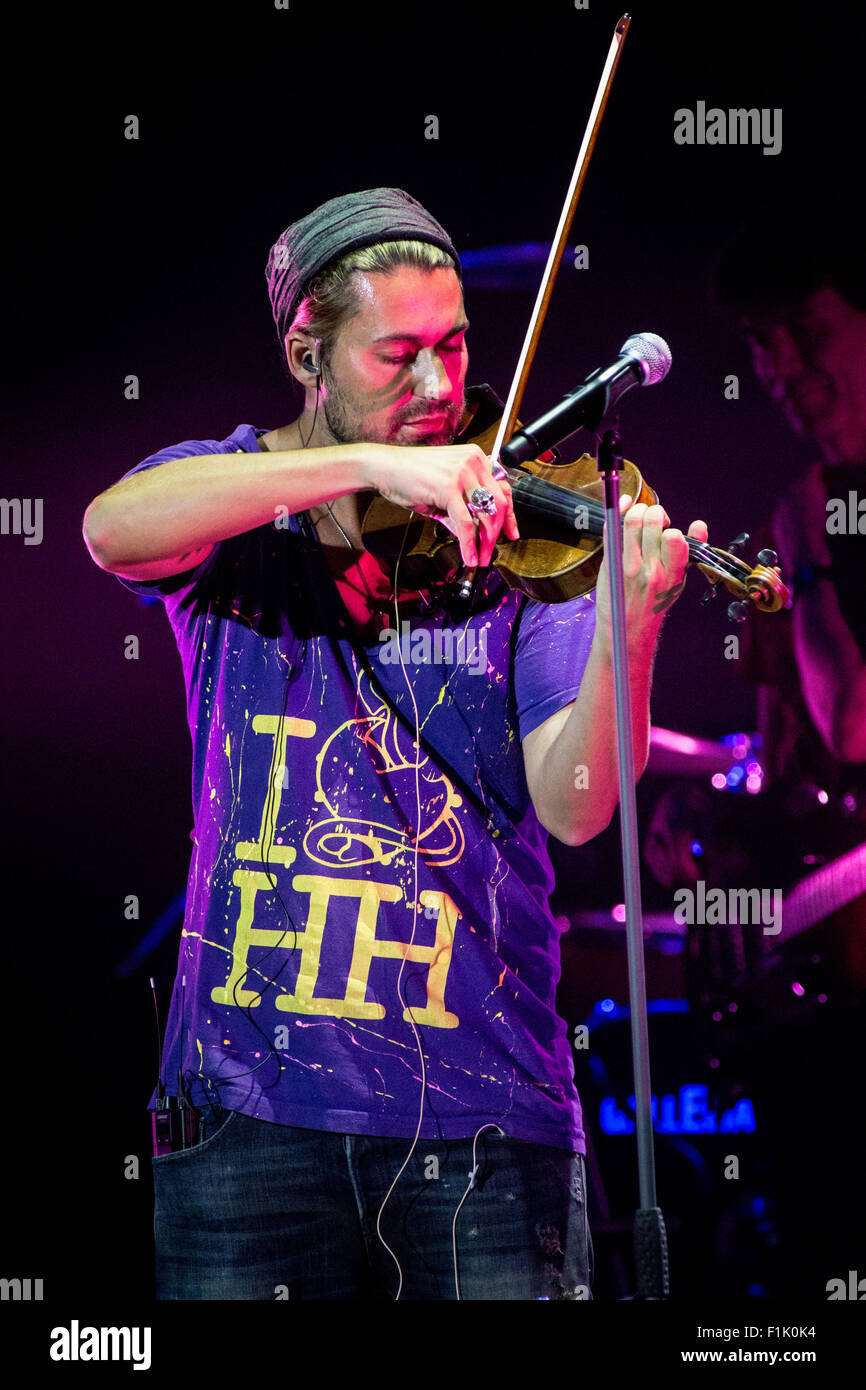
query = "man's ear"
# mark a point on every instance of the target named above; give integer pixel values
(312, 358)
(298, 347)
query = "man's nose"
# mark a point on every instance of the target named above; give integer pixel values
(430, 379)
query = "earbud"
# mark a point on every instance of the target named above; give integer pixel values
(307, 361)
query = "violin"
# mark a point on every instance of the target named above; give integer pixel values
(561, 518)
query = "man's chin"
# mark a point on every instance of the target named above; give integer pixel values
(425, 434)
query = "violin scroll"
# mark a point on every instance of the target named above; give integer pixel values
(757, 585)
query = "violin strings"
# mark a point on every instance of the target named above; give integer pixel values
(550, 499)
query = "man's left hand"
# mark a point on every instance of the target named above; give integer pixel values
(655, 556)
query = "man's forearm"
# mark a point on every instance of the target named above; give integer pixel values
(189, 503)
(580, 768)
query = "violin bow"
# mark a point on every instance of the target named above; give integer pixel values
(566, 217)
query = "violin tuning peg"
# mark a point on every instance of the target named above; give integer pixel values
(768, 557)
(711, 592)
(739, 541)
(738, 609)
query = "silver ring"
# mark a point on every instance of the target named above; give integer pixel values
(482, 500)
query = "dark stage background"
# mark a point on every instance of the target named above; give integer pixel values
(147, 257)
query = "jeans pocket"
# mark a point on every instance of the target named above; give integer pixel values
(213, 1127)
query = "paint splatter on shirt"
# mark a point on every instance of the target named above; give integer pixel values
(319, 924)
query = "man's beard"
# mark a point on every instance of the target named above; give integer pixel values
(348, 426)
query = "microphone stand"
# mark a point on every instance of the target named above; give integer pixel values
(650, 1237)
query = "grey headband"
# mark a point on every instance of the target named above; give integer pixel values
(335, 228)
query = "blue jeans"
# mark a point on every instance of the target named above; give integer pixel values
(266, 1211)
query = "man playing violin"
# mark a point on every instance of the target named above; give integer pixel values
(363, 1023)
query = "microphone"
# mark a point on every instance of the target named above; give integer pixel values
(644, 359)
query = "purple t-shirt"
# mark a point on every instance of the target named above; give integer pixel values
(301, 895)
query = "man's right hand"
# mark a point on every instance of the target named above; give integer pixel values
(436, 481)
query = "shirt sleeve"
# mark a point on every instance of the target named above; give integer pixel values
(170, 583)
(551, 652)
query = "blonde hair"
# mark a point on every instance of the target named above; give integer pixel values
(331, 298)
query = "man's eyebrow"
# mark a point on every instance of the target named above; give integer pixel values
(413, 337)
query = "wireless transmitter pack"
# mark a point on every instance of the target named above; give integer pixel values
(176, 1122)
(175, 1125)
